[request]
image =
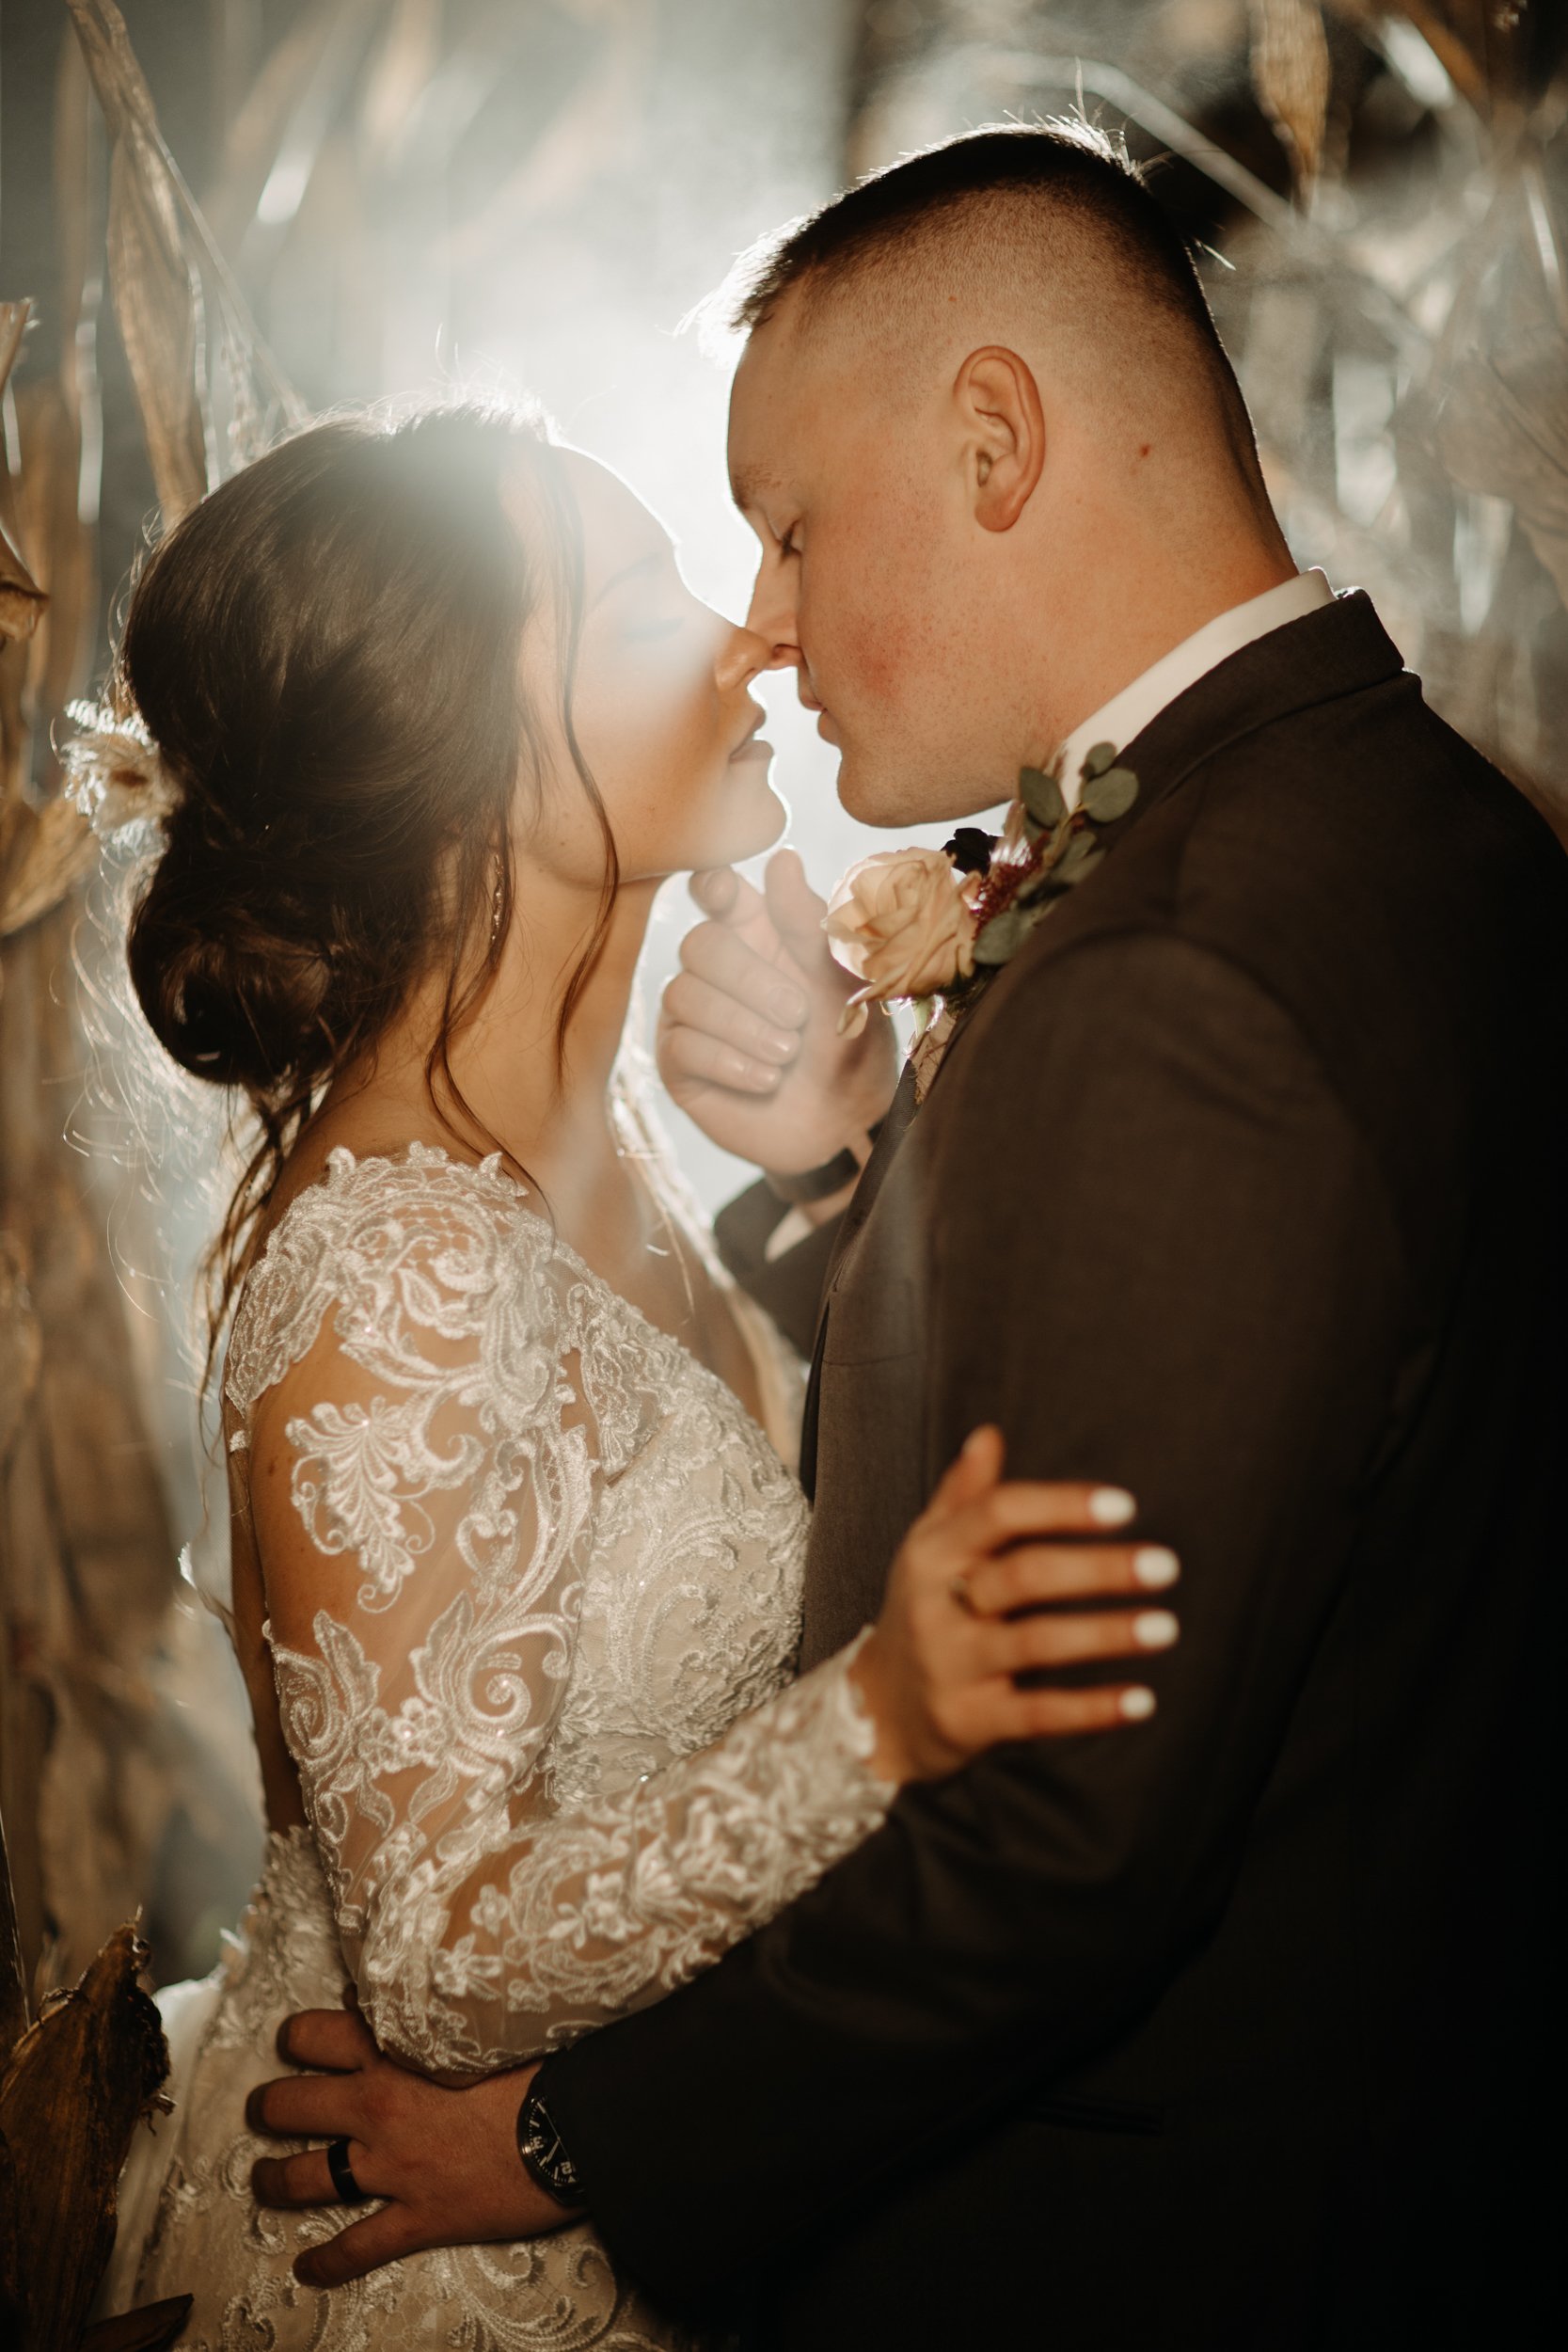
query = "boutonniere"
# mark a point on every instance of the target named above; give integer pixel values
(931, 927)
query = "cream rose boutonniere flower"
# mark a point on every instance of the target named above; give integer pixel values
(903, 923)
(934, 927)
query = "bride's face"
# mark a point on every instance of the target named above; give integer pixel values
(661, 704)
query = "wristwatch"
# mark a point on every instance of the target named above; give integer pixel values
(820, 1184)
(544, 2154)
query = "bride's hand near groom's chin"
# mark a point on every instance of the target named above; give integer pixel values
(748, 1032)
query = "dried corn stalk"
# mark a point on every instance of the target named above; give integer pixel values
(157, 297)
(175, 298)
(76, 2087)
(1292, 74)
(1503, 433)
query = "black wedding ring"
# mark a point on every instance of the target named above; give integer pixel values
(348, 2188)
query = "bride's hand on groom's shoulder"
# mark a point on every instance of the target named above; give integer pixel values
(446, 2163)
(748, 1032)
(972, 1615)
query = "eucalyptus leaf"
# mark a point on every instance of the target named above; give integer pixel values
(1110, 794)
(1002, 936)
(1084, 856)
(1041, 796)
(1097, 759)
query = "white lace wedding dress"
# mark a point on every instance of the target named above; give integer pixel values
(548, 1743)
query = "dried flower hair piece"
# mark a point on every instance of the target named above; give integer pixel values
(115, 772)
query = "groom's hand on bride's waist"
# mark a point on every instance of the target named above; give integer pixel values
(748, 1030)
(445, 2161)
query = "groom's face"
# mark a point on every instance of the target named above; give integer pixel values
(871, 583)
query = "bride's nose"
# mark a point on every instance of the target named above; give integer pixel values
(742, 653)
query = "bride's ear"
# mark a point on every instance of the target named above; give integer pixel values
(997, 403)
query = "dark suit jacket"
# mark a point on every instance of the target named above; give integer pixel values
(1244, 1187)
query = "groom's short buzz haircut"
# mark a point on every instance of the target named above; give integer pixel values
(1079, 174)
(1059, 207)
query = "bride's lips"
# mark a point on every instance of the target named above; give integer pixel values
(750, 745)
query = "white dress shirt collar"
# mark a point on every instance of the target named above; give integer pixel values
(1127, 714)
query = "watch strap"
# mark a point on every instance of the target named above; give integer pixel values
(820, 1184)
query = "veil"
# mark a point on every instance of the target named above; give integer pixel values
(160, 1144)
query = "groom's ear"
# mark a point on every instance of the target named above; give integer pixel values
(997, 403)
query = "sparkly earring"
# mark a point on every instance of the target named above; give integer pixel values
(497, 907)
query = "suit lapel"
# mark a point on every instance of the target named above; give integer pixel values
(1340, 649)
(894, 1129)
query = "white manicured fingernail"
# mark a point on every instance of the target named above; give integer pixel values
(1154, 1567)
(1137, 1705)
(1111, 1507)
(1154, 1629)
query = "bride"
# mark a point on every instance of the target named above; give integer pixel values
(426, 715)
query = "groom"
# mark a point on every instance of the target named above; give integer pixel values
(1243, 1184)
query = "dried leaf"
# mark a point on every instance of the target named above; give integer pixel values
(11, 2316)
(76, 2086)
(22, 600)
(160, 252)
(1503, 432)
(13, 326)
(1292, 74)
(20, 1355)
(156, 296)
(595, 130)
(62, 550)
(285, 84)
(13, 2003)
(149, 2330)
(50, 856)
(155, 302)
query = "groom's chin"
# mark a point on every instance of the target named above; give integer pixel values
(874, 793)
(894, 795)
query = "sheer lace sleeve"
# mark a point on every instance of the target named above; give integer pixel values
(437, 1410)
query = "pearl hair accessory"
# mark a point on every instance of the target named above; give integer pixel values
(115, 772)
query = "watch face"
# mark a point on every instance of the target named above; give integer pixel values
(541, 2142)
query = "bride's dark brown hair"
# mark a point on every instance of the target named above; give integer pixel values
(326, 652)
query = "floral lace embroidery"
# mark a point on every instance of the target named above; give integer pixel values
(550, 1752)
(199, 2231)
(549, 1746)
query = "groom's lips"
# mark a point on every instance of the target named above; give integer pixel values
(809, 702)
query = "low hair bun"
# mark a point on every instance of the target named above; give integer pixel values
(230, 997)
